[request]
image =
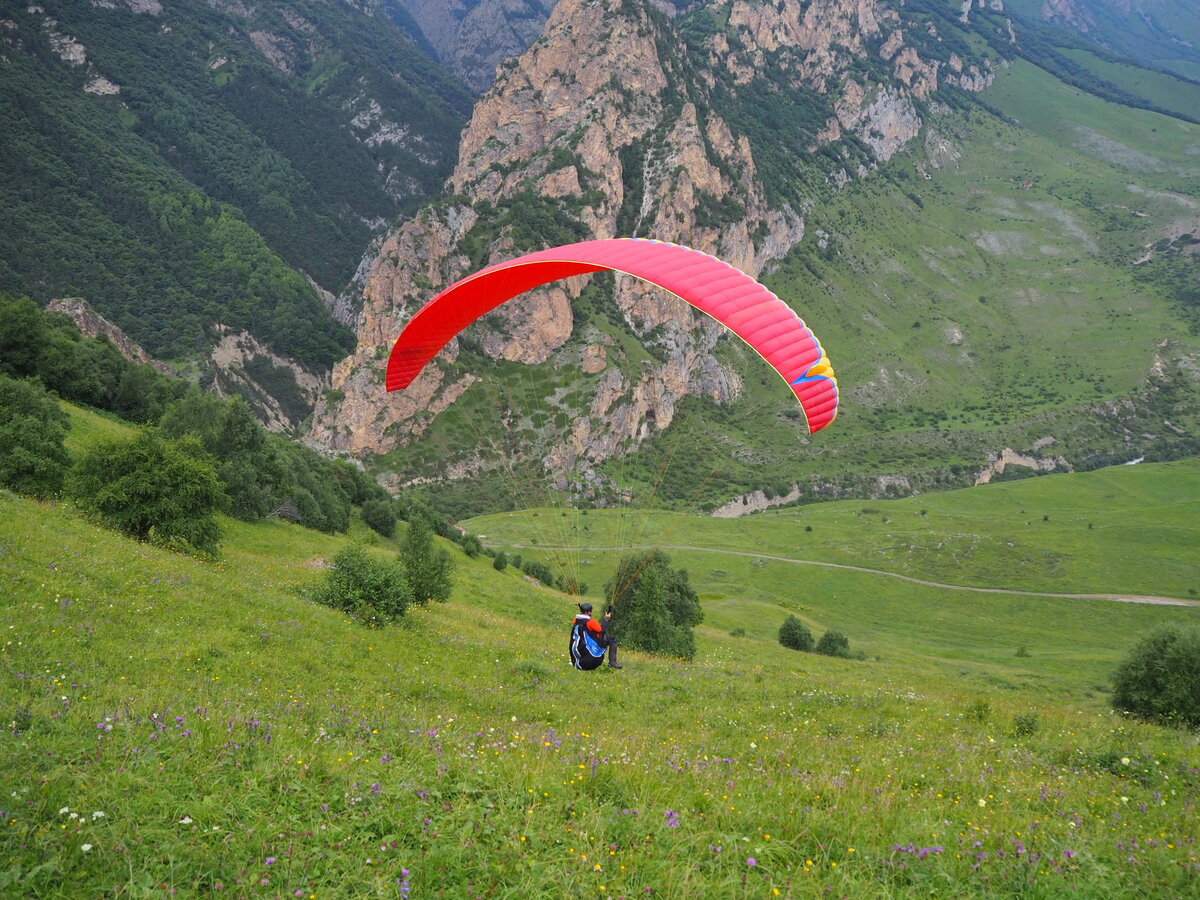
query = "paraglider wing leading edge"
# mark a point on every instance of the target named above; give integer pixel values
(714, 287)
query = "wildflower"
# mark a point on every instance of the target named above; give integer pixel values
(186, 820)
(86, 848)
(271, 860)
(64, 810)
(751, 861)
(97, 815)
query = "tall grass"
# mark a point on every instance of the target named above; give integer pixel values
(174, 725)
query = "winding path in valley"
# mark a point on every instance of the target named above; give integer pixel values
(1118, 598)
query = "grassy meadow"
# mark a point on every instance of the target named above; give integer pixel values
(172, 726)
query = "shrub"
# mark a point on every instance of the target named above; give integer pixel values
(795, 634)
(979, 711)
(500, 562)
(378, 515)
(368, 588)
(833, 643)
(1160, 678)
(1025, 724)
(471, 545)
(540, 571)
(32, 426)
(152, 489)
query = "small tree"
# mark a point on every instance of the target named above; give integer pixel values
(1160, 678)
(368, 588)
(833, 643)
(157, 490)
(795, 634)
(500, 563)
(427, 569)
(32, 426)
(654, 606)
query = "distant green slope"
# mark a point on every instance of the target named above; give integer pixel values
(1160, 34)
(1123, 529)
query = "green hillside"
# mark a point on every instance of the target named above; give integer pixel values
(199, 727)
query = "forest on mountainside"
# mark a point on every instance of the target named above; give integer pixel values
(190, 167)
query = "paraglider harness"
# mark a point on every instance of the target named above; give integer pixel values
(586, 651)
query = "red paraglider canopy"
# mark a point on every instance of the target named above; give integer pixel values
(714, 287)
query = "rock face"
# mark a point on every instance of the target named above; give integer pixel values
(998, 462)
(608, 122)
(279, 390)
(93, 325)
(472, 38)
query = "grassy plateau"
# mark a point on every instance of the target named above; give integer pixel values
(171, 726)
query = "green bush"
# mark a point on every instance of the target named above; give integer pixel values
(378, 515)
(368, 588)
(833, 643)
(795, 634)
(1025, 724)
(1160, 678)
(500, 562)
(152, 489)
(33, 460)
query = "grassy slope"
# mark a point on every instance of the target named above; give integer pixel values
(230, 732)
(1004, 307)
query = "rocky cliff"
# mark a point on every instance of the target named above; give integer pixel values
(93, 325)
(617, 122)
(473, 38)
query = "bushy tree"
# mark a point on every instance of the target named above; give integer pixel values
(1160, 678)
(500, 562)
(427, 568)
(833, 643)
(23, 337)
(538, 570)
(378, 515)
(655, 608)
(369, 588)
(228, 430)
(33, 460)
(795, 634)
(153, 489)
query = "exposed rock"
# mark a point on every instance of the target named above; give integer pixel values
(66, 47)
(241, 366)
(472, 38)
(93, 325)
(102, 87)
(997, 463)
(276, 49)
